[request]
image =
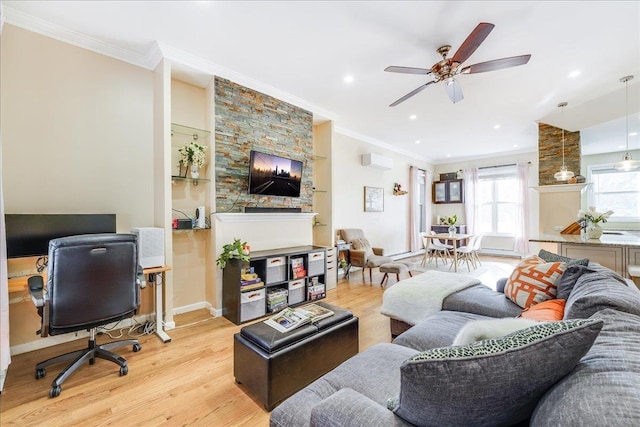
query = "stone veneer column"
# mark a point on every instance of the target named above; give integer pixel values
(550, 153)
(249, 120)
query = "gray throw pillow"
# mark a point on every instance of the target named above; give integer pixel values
(551, 257)
(569, 278)
(491, 382)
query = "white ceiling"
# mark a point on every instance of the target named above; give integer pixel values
(301, 51)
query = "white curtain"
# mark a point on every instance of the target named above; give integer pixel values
(414, 210)
(470, 202)
(5, 355)
(521, 240)
(416, 177)
(428, 187)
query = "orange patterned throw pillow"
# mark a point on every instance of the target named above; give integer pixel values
(534, 281)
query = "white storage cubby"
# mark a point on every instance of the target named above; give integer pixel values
(252, 305)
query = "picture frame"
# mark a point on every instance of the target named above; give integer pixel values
(439, 192)
(455, 191)
(373, 199)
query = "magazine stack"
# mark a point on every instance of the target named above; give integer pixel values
(276, 299)
(315, 289)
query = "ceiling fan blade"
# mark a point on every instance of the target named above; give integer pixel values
(410, 94)
(472, 42)
(496, 64)
(454, 90)
(407, 70)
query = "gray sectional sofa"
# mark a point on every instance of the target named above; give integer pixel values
(584, 373)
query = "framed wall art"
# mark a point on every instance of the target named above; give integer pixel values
(373, 199)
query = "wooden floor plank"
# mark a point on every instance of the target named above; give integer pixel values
(188, 381)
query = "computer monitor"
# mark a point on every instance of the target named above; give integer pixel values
(29, 234)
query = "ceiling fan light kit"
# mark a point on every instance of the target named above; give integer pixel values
(563, 174)
(446, 69)
(627, 163)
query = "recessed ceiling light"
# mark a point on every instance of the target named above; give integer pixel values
(515, 145)
(496, 126)
(418, 141)
(574, 74)
(348, 78)
(621, 146)
(413, 117)
(448, 155)
(633, 134)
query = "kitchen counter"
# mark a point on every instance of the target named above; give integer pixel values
(616, 250)
(610, 238)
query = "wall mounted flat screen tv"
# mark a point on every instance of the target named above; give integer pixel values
(29, 234)
(274, 176)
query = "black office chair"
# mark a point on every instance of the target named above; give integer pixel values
(92, 281)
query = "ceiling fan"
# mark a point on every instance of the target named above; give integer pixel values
(448, 68)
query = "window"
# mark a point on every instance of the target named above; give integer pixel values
(497, 197)
(615, 190)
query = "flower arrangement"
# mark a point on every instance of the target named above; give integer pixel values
(592, 216)
(449, 220)
(193, 154)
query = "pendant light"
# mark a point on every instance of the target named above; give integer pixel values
(627, 163)
(563, 174)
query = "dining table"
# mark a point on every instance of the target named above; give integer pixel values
(455, 240)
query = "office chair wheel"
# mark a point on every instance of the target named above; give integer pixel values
(124, 370)
(137, 348)
(40, 373)
(55, 391)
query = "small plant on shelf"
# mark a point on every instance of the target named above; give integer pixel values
(237, 249)
(193, 154)
(397, 190)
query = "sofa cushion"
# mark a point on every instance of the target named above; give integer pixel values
(437, 330)
(569, 279)
(374, 373)
(362, 244)
(601, 289)
(547, 311)
(480, 299)
(491, 382)
(534, 281)
(604, 387)
(551, 257)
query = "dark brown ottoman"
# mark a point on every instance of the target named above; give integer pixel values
(274, 365)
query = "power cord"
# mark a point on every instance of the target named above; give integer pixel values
(179, 211)
(41, 263)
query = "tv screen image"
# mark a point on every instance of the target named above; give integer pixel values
(274, 175)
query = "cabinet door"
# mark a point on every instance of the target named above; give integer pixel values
(439, 192)
(609, 256)
(455, 191)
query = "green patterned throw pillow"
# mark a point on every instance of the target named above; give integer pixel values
(496, 381)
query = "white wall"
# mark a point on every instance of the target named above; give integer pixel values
(388, 229)
(489, 242)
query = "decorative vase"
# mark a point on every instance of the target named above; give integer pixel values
(452, 230)
(195, 173)
(594, 231)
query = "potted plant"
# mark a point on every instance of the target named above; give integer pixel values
(237, 249)
(193, 154)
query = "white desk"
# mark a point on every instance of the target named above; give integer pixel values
(156, 278)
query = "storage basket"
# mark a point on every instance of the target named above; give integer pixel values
(316, 263)
(252, 305)
(296, 291)
(276, 270)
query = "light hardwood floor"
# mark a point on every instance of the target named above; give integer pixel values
(188, 381)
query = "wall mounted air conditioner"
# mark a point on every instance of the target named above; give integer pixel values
(377, 161)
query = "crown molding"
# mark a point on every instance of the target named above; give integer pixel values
(381, 144)
(40, 26)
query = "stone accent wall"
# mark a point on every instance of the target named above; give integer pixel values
(550, 153)
(248, 120)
